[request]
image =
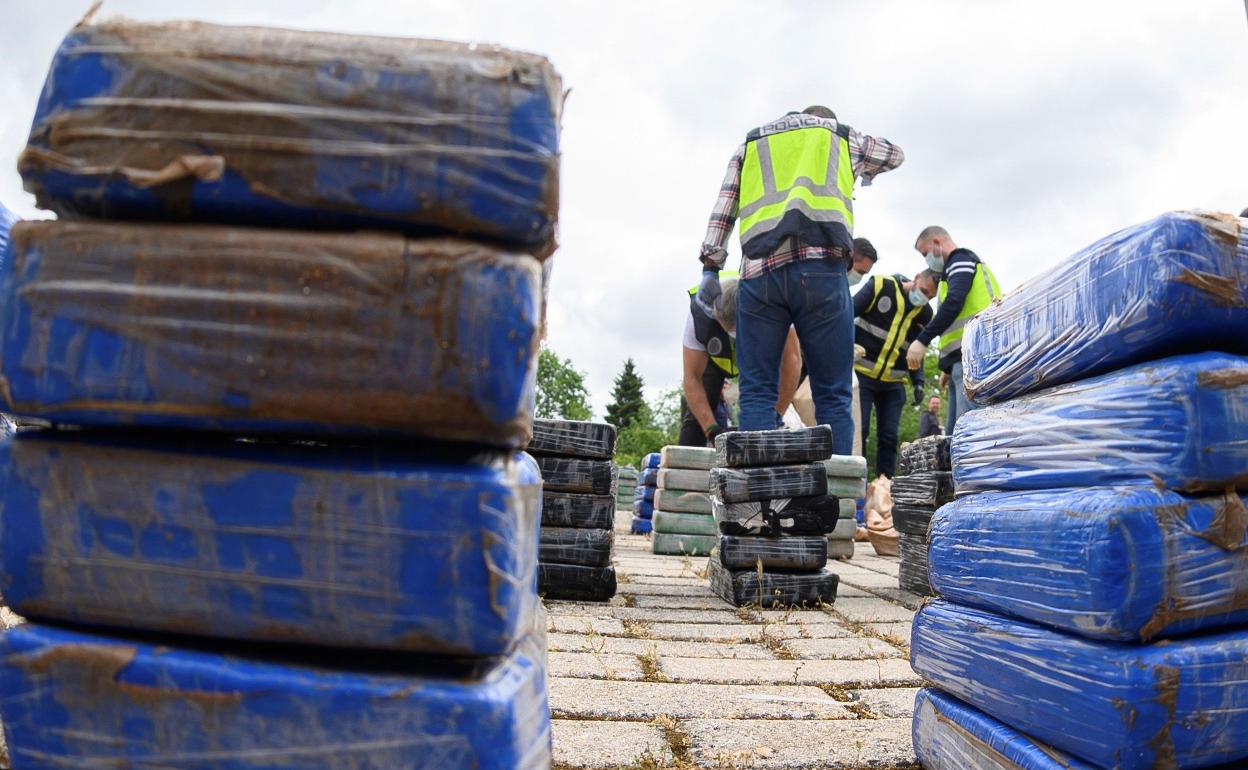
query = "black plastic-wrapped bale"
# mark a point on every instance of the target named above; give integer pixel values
(576, 582)
(569, 474)
(930, 488)
(742, 588)
(925, 455)
(568, 509)
(796, 553)
(747, 449)
(568, 545)
(796, 516)
(912, 520)
(573, 438)
(912, 571)
(743, 485)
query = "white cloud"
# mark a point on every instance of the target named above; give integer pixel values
(1031, 129)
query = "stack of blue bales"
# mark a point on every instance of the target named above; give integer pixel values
(1094, 569)
(643, 495)
(291, 311)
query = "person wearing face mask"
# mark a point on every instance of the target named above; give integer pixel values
(862, 258)
(710, 359)
(889, 313)
(967, 287)
(791, 185)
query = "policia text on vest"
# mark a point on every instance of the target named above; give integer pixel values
(797, 180)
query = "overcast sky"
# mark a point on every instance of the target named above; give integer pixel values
(1030, 128)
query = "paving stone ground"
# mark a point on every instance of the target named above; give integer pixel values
(668, 675)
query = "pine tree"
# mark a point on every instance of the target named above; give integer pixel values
(628, 404)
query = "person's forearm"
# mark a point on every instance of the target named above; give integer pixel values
(790, 373)
(950, 308)
(695, 397)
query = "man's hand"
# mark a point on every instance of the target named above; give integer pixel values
(914, 356)
(918, 394)
(708, 290)
(711, 432)
(944, 380)
(859, 352)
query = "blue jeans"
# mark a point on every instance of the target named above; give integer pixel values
(959, 404)
(888, 399)
(813, 296)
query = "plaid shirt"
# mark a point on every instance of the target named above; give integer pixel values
(869, 155)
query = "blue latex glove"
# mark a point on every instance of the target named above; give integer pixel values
(708, 291)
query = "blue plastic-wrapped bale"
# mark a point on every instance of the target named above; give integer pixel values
(649, 477)
(643, 509)
(949, 735)
(1122, 563)
(1175, 284)
(1179, 422)
(354, 546)
(652, 460)
(641, 526)
(81, 700)
(7, 220)
(234, 329)
(1174, 704)
(645, 493)
(243, 125)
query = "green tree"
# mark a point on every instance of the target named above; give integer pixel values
(909, 429)
(628, 402)
(561, 391)
(658, 426)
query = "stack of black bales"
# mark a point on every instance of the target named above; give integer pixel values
(769, 494)
(924, 485)
(579, 480)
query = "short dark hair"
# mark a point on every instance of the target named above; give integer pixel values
(819, 111)
(930, 275)
(931, 231)
(863, 248)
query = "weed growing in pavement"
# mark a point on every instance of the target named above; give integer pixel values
(638, 629)
(649, 662)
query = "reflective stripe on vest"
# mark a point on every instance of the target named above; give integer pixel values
(805, 169)
(885, 366)
(984, 289)
(725, 363)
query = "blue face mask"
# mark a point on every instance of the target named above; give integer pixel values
(918, 298)
(934, 262)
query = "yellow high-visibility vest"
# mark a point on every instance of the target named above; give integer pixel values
(720, 347)
(797, 179)
(984, 289)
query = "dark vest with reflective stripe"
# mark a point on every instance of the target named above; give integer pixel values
(882, 332)
(719, 346)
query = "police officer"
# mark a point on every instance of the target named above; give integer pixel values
(889, 312)
(710, 360)
(967, 287)
(791, 186)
